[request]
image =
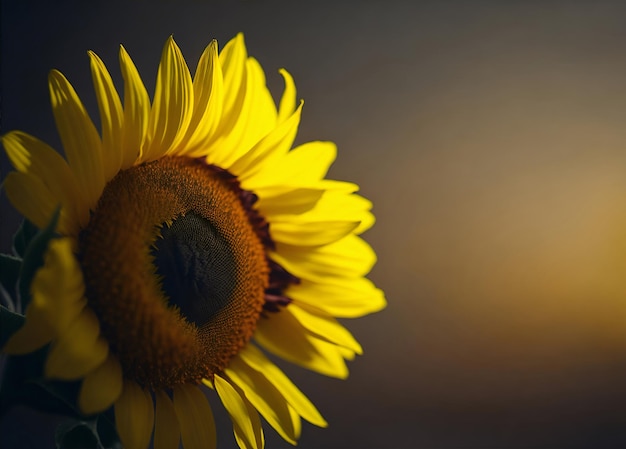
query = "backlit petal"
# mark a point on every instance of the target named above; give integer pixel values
(136, 110)
(56, 299)
(172, 107)
(288, 100)
(256, 360)
(101, 387)
(134, 416)
(285, 337)
(246, 422)
(349, 257)
(111, 116)
(78, 350)
(292, 201)
(310, 233)
(195, 417)
(340, 297)
(264, 396)
(233, 61)
(208, 88)
(166, 427)
(303, 165)
(30, 155)
(324, 326)
(271, 147)
(81, 141)
(31, 197)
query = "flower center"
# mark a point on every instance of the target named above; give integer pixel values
(197, 267)
(175, 270)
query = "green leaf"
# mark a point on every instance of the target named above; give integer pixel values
(106, 430)
(10, 267)
(95, 433)
(33, 258)
(9, 323)
(23, 236)
(77, 435)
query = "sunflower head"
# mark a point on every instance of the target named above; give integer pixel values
(192, 238)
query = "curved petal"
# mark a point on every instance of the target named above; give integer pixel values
(136, 111)
(264, 396)
(195, 417)
(245, 124)
(101, 387)
(246, 422)
(172, 107)
(324, 326)
(208, 88)
(81, 142)
(337, 205)
(32, 198)
(166, 427)
(272, 146)
(291, 201)
(284, 336)
(288, 100)
(297, 231)
(30, 155)
(134, 416)
(339, 297)
(78, 350)
(255, 359)
(302, 166)
(349, 257)
(111, 116)
(57, 299)
(233, 61)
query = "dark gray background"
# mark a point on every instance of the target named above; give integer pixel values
(491, 138)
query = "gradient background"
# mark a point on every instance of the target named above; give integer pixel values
(491, 138)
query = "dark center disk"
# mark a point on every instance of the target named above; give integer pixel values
(197, 267)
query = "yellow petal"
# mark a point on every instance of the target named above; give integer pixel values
(242, 126)
(288, 100)
(323, 326)
(285, 337)
(101, 387)
(172, 107)
(263, 114)
(337, 205)
(268, 149)
(134, 416)
(292, 201)
(246, 422)
(256, 360)
(295, 231)
(111, 116)
(350, 257)
(136, 111)
(30, 155)
(166, 427)
(264, 396)
(78, 350)
(197, 427)
(233, 61)
(81, 142)
(303, 165)
(339, 297)
(208, 88)
(31, 197)
(56, 299)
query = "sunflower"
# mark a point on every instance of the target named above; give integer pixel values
(192, 239)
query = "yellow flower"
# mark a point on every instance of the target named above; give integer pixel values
(192, 236)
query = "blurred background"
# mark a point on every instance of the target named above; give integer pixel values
(490, 137)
